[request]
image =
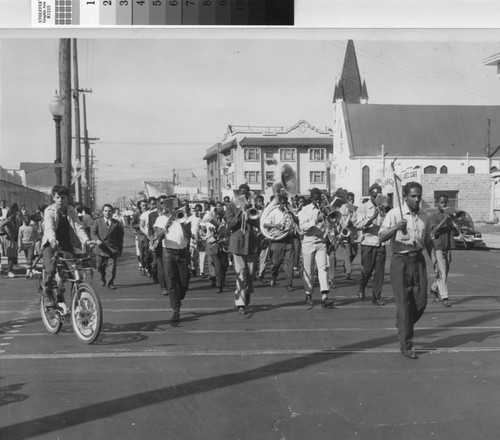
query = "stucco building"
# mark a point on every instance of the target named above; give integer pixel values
(255, 155)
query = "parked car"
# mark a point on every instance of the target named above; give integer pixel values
(465, 233)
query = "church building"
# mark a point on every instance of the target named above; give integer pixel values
(450, 149)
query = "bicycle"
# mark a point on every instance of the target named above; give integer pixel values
(85, 312)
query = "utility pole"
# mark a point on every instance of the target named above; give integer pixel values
(76, 98)
(92, 182)
(65, 90)
(87, 183)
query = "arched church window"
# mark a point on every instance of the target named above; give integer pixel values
(365, 180)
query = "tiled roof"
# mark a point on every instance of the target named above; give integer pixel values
(422, 130)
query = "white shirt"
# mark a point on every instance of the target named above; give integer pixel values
(369, 236)
(418, 230)
(175, 238)
(307, 223)
(143, 222)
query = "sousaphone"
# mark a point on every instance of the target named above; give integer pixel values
(288, 183)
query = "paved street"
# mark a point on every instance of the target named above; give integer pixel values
(286, 370)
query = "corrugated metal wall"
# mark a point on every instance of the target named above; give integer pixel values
(14, 193)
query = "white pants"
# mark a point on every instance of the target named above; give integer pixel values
(201, 256)
(314, 255)
(441, 260)
(243, 266)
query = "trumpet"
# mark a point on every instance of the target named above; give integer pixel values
(251, 213)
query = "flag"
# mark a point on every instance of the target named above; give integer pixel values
(192, 174)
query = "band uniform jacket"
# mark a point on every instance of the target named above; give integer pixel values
(241, 243)
(112, 237)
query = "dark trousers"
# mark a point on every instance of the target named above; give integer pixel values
(48, 255)
(29, 250)
(102, 264)
(176, 269)
(372, 260)
(409, 286)
(282, 252)
(159, 266)
(143, 243)
(221, 263)
(296, 250)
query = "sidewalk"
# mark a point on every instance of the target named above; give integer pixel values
(491, 241)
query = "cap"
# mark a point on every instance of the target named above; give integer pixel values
(315, 191)
(375, 186)
(244, 186)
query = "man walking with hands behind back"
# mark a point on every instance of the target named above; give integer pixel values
(108, 235)
(409, 230)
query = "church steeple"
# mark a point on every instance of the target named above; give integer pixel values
(349, 88)
(364, 93)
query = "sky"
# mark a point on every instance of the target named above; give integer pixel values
(158, 104)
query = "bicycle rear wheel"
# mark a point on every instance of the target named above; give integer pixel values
(51, 317)
(86, 314)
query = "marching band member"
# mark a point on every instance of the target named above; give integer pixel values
(333, 244)
(141, 240)
(175, 233)
(311, 223)
(349, 245)
(243, 246)
(409, 231)
(217, 244)
(369, 220)
(263, 243)
(282, 250)
(442, 237)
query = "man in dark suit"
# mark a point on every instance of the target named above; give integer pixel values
(108, 235)
(243, 245)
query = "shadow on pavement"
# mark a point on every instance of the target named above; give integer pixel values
(96, 411)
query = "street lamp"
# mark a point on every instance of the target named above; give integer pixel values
(57, 109)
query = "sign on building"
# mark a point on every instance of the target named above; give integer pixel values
(413, 174)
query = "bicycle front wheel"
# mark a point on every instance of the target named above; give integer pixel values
(51, 316)
(86, 314)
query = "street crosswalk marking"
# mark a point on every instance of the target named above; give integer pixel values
(291, 352)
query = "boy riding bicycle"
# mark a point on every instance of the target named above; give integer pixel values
(61, 227)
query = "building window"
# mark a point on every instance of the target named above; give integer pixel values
(452, 197)
(317, 154)
(365, 180)
(269, 155)
(270, 176)
(252, 154)
(471, 170)
(431, 169)
(317, 177)
(252, 176)
(443, 170)
(287, 154)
